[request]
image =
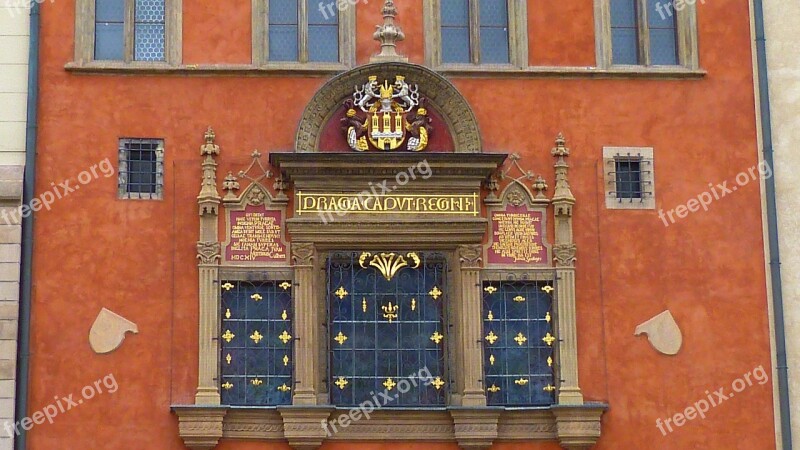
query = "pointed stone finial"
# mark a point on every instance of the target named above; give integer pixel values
(388, 35)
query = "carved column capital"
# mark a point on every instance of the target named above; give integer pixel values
(475, 429)
(565, 255)
(303, 428)
(209, 252)
(200, 429)
(303, 254)
(470, 256)
(578, 427)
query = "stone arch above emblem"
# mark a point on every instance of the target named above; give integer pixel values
(441, 96)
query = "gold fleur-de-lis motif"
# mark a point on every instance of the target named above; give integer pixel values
(493, 389)
(389, 384)
(548, 289)
(491, 338)
(341, 292)
(227, 386)
(228, 336)
(490, 317)
(436, 337)
(549, 361)
(549, 388)
(228, 359)
(285, 285)
(341, 382)
(390, 311)
(521, 339)
(388, 263)
(228, 314)
(491, 359)
(340, 338)
(413, 304)
(227, 286)
(519, 299)
(284, 315)
(256, 382)
(435, 292)
(547, 317)
(285, 360)
(437, 383)
(284, 388)
(521, 381)
(256, 297)
(548, 339)
(364, 304)
(490, 289)
(285, 337)
(256, 337)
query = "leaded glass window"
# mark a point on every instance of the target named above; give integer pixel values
(256, 343)
(491, 33)
(130, 30)
(518, 343)
(303, 31)
(644, 32)
(387, 327)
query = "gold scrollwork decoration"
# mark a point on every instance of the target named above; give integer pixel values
(285, 337)
(341, 382)
(521, 382)
(519, 299)
(437, 383)
(228, 313)
(227, 286)
(548, 339)
(256, 337)
(491, 338)
(490, 289)
(436, 337)
(284, 315)
(285, 360)
(389, 384)
(549, 361)
(547, 317)
(341, 293)
(257, 297)
(493, 389)
(435, 292)
(491, 360)
(388, 263)
(284, 388)
(256, 382)
(548, 289)
(227, 386)
(490, 317)
(364, 304)
(340, 338)
(285, 285)
(413, 304)
(549, 388)
(390, 311)
(228, 336)
(521, 339)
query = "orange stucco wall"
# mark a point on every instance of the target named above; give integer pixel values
(138, 257)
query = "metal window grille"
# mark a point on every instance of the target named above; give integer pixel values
(519, 343)
(631, 178)
(141, 168)
(387, 324)
(256, 343)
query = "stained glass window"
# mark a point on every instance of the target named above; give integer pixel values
(387, 327)
(518, 343)
(256, 338)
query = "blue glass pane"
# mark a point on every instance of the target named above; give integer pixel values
(661, 13)
(455, 45)
(323, 43)
(283, 12)
(625, 46)
(494, 13)
(150, 11)
(283, 43)
(109, 42)
(623, 13)
(663, 47)
(149, 42)
(494, 46)
(323, 12)
(110, 11)
(455, 13)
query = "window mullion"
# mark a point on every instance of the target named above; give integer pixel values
(302, 31)
(129, 30)
(644, 33)
(475, 31)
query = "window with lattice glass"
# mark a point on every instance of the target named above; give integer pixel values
(256, 343)
(518, 343)
(141, 168)
(130, 30)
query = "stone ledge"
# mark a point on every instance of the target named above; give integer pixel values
(575, 427)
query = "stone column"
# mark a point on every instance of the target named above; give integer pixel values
(306, 326)
(470, 325)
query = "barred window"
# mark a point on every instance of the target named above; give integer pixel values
(387, 327)
(130, 30)
(518, 343)
(141, 168)
(256, 343)
(629, 177)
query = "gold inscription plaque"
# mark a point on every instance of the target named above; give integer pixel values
(256, 236)
(517, 237)
(466, 204)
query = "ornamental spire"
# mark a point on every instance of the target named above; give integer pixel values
(388, 35)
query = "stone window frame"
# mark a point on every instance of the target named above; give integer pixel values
(645, 154)
(686, 22)
(260, 40)
(122, 171)
(85, 37)
(517, 38)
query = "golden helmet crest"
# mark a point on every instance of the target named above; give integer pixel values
(386, 91)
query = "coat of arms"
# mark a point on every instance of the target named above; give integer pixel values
(395, 117)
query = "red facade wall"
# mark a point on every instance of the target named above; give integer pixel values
(137, 258)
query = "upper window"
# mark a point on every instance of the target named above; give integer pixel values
(646, 33)
(302, 31)
(141, 31)
(477, 32)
